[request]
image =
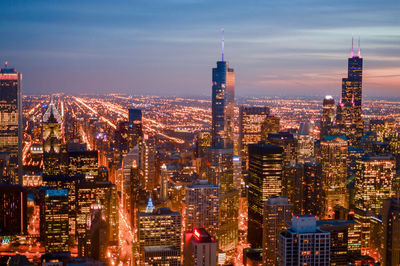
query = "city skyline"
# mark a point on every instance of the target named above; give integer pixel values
(79, 47)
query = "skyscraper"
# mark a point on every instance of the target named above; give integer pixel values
(328, 115)
(375, 177)
(223, 96)
(334, 171)
(349, 109)
(313, 196)
(221, 152)
(164, 183)
(13, 207)
(11, 119)
(55, 213)
(292, 185)
(265, 179)
(202, 206)
(52, 140)
(147, 154)
(250, 126)
(277, 213)
(391, 231)
(304, 243)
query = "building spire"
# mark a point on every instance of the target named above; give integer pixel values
(352, 46)
(359, 48)
(223, 43)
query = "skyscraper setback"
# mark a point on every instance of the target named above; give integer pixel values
(349, 109)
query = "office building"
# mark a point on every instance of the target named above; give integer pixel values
(292, 185)
(202, 206)
(374, 180)
(200, 248)
(313, 198)
(334, 153)
(277, 214)
(84, 163)
(160, 255)
(328, 116)
(147, 156)
(304, 243)
(161, 227)
(11, 120)
(265, 180)
(288, 142)
(55, 220)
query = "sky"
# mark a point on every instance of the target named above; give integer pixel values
(168, 47)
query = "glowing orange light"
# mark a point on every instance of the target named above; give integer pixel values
(196, 233)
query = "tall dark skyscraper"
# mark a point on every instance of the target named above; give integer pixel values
(11, 119)
(349, 109)
(223, 96)
(265, 179)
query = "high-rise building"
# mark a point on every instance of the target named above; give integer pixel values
(250, 124)
(270, 125)
(223, 96)
(313, 199)
(200, 248)
(292, 185)
(349, 108)
(129, 133)
(345, 235)
(288, 142)
(328, 116)
(147, 154)
(202, 207)
(305, 148)
(334, 170)
(164, 183)
(104, 195)
(84, 163)
(391, 232)
(11, 120)
(277, 213)
(135, 115)
(384, 129)
(203, 143)
(52, 140)
(159, 228)
(160, 255)
(375, 176)
(304, 243)
(13, 207)
(265, 179)
(55, 220)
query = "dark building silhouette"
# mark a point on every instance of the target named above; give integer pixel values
(13, 207)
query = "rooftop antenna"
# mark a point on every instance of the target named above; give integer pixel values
(223, 44)
(6, 64)
(359, 48)
(352, 46)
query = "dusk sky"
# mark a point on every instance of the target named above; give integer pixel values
(168, 47)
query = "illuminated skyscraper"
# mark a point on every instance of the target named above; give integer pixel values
(223, 96)
(313, 195)
(304, 243)
(328, 116)
(202, 206)
(334, 171)
(292, 185)
(200, 248)
(265, 180)
(375, 177)
(147, 154)
(164, 183)
(250, 124)
(11, 119)
(55, 220)
(391, 231)
(84, 163)
(349, 109)
(277, 213)
(221, 152)
(52, 139)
